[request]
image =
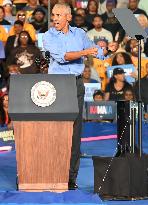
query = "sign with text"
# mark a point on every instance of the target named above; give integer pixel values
(103, 110)
(128, 68)
(89, 90)
(6, 136)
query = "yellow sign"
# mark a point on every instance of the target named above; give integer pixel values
(7, 135)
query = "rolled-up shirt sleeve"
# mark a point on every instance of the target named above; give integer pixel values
(56, 52)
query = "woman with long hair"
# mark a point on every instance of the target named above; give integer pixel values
(121, 58)
(25, 55)
(4, 116)
(115, 88)
(91, 11)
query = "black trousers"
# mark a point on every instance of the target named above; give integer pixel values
(77, 128)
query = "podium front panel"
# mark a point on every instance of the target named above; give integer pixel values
(22, 108)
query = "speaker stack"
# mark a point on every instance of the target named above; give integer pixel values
(125, 175)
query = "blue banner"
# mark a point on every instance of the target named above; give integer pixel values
(128, 68)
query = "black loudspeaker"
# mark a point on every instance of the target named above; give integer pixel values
(121, 177)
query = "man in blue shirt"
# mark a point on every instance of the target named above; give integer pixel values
(68, 46)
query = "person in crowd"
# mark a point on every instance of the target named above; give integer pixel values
(8, 10)
(122, 3)
(91, 11)
(133, 6)
(3, 34)
(143, 20)
(121, 58)
(110, 5)
(79, 22)
(132, 48)
(129, 94)
(98, 96)
(67, 46)
(25, 54)
(115, 88)
(19, 5)
(112, 25)
(44, 5)
(38, 19)
(4, 116)
(86, 75)
(101, 41)
(45, 27)
(98, 31)
(144, 88)
(21, 15)
(81, 12)
(3, 21)
(12, 41)
(31, 7)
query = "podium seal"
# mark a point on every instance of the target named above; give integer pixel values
(43, 94)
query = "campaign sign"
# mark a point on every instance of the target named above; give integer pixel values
(128, 68)
(89, 90)
(6, 136)
(103, 110)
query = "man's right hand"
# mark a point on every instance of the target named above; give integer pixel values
(91, 51)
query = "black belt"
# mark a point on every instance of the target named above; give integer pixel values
(78, 77)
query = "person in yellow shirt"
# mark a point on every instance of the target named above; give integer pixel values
(21, 15)
(3, 34)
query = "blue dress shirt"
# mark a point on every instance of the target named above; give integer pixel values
(58, 43)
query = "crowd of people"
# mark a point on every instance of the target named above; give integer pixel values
(22, 20)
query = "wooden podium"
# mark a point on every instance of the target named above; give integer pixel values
(43, 136)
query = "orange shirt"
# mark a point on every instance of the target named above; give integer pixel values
(27, 27)
(3, 34)
(101, 68)
(144, 61)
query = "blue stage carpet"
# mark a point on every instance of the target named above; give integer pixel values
(84, 195)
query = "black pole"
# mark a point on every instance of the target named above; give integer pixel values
(139, 38)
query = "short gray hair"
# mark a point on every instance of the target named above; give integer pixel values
(63, 5)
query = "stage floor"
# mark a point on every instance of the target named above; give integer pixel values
(9, 195)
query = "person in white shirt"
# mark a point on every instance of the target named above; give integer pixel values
(98, 31)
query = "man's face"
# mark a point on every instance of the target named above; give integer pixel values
(79, 21)
(60, 18)
(97, 22)
(39, 16)
(98, 98)
(102, 44)
(18, 28)
(128, 95)
(133, 4)
(86, 73)
(110, 7)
